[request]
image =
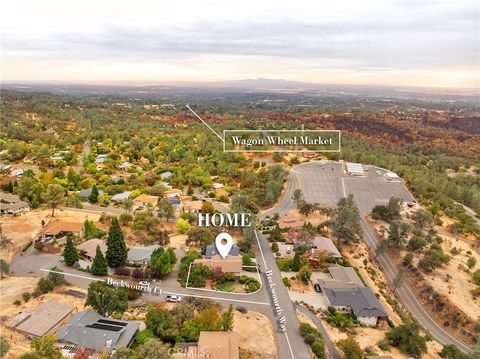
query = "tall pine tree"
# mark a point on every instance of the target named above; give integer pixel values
(70, 254)
(116, 248)
(93, 198)
(99, 265)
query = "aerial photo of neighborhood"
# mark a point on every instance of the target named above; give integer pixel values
(198, 195)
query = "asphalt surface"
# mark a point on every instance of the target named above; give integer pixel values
(328, 342)
(290, 342)
(324, 182)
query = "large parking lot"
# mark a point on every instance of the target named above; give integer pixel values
(325, 183)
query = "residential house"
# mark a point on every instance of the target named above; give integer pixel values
(141, 255)
(218, 185)
(55, 229)
(145, 199)
(290, 220)
(211, 250)
(124, 166)
(166, 175)
(229, 264)
(360, 301)
(5, 167)
(89, 248)
(346, 292)
(341, 277)
(325, 245)
(219, 345)
(85, 193)
(213, 345)
(18, 172)
(11, 204)
(172, 193)
(177, 202)
(46, 319)
(193, 206)
(5, 181)
(120, 197)
(90, 330)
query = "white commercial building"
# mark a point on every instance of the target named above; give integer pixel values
(355, 169)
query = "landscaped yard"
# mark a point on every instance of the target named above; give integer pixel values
(226, 286)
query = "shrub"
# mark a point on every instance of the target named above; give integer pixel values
(476, 276)
(17, 302)
(44, 285)
(26, 296)
(122, 271)
(4, 347)
(226, 277)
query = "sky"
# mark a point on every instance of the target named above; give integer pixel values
(432, 43)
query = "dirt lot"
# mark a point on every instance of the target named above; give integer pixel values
(457, 283)
(263, 342)
(20, 230)
(178, 241)
(369, 337)
(11, 289)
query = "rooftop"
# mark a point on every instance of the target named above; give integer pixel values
(141, 253)
(211, 250)
(8, 197)
(146, 198)
(42, 320)
(219, 345)
(90, 247)
(121, 196)
(362, 301)
(326, 244)
(87, 329)
(55, 227)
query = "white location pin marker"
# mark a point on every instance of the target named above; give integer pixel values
(224, 243)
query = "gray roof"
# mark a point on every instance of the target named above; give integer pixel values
(42, 320)
(345, 274)
(8, 197)
(87, 192)
(13, 206)
(136, 254)
(211, 250)
(121, 196)
(87, 329)
(361, 299)
(165, 175)
(326, 244)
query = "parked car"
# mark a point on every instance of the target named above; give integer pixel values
(289, 249)
(174, 298)
(317, 288)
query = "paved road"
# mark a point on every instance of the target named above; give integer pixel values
(290, 342)
(317, 184)
(328, 341)
(407, 297)
(285, 203)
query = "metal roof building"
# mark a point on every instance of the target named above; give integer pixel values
(355, 169)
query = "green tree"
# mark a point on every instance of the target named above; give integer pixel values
(450, 351)
(123, 353)
(351, 348)
(297, 196)
(4, 267)
(422, 218)
(152, 349)
(45, 346)
(105, 300)
(408, 339)
(99, 265)
(70, 254)
(182, 226)
(54, 196)
(161, 323)
(93, 197)
(163, 261)
(304, 274)
(166, 210)
(116, 248)
(227, 320)
(56, 276)
(398, 233)
(346, 221)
